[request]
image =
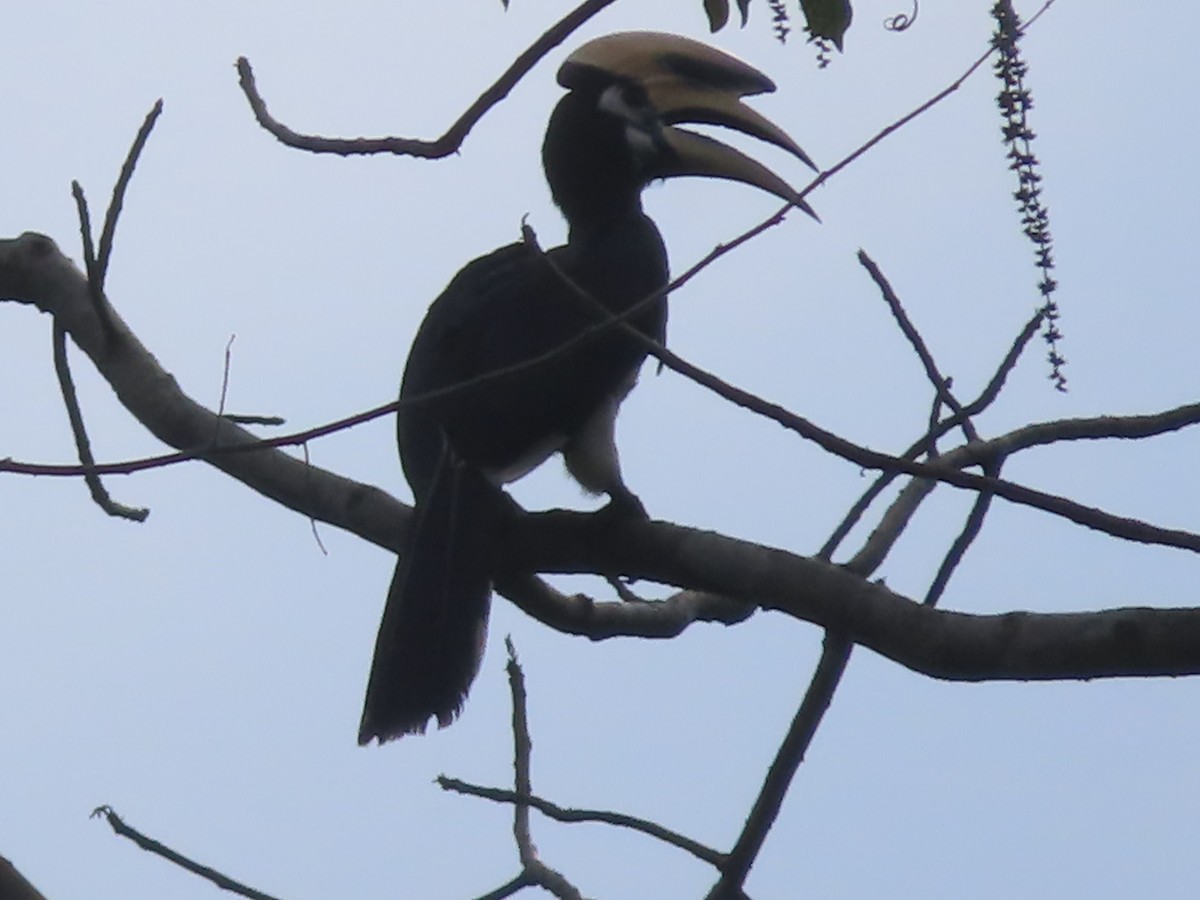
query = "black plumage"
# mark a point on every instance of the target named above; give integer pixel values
(606, 139)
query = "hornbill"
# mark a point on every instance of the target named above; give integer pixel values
(473, 419)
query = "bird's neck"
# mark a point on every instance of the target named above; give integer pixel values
(619, 222)
(619, 260)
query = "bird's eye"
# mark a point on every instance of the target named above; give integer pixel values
(634, 96)
(628, 101)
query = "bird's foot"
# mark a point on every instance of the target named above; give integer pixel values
(623, 506)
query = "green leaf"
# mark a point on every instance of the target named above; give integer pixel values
(717, 12)
(827, 19)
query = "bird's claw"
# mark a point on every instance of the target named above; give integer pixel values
(623, 506)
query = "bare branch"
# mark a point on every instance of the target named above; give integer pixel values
(962, 543)
(239, 419)
(835, 655)
(33, 270)
(891, 525)
(522, 752)
(596, 816)
(118, 196)
(598, 620)
(91, 267)
(1118, 526)
(533, 870)
(83, 446)
(954, 646)
(976, 406)
(517, 884)
(941, 384)
(946, 645)
(152, 846)
(97, 268)
(450, 141)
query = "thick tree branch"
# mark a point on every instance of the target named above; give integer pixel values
(34, 271)
(942, 644)
(955, 646)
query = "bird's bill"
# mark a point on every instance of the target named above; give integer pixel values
(686, 81)
(682, 101)
(696, 154)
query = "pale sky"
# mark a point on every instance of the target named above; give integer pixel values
(203, 672)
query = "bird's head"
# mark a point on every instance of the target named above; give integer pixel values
(616, 130)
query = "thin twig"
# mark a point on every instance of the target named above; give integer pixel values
(91, 267)
(834, 658)
(517, 884)
(118, 195)
(225, 374)
(985, 399)
(149, 844)
(835, 655)
(622, 590)
(235, 417)
(83, 445)
(1118, 526)
(239, 419)
(595, 816)
(962, 543)
(536, 870)
(895, 519)
(522, 752)
(450, 141)
(96, 266)
(1140, 426)
(312, 520)
(589, 334)
(941, 384)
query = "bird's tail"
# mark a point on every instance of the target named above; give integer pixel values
(434, 625)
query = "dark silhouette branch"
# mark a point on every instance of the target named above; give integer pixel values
(962, 543)
(985, 399)
(108, 233)
(533, 870)
(940, 383)
(522, 753)
(1117, 526)
(514, 886)
(835, 655)
(83, 445)
(90, 266)
(450, 141)
(955, 646)
(860, 455)
(33, 271)
(523, 799)
(96, 264)
(158, 849)
(571, 815)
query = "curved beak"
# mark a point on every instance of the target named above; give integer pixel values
(685, 81)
